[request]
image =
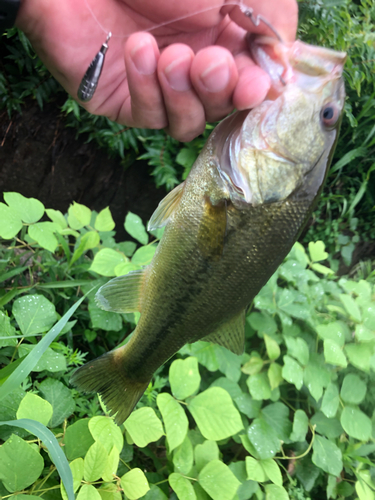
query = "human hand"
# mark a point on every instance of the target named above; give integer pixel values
(188, 72)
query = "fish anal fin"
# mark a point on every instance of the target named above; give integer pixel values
(230, 335)
(212, 229)
(122, 294)
(166, 208)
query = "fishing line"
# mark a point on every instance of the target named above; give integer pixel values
(91, 78)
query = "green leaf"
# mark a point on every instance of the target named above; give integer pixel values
(42, 233)
(28, 209)
(50, 360)
(333, 354)
(183, 457)
(351, 307)
(316, 377)
(275, 376)
(77, 472)
(215, 414)
(300, 426)
(34, 314)
(331, 401)
(321, 269)
(356, 423)
(264, 439)
(155, 493)
(88, 241)
(364, 492)
(112, 465)
(61, 399)
(175, 420)
(329, 427)
(88, 492)
(105, 320)
(337, 331)
(364, 334)
(106, 260)
(353, 389)
(327, 456)
(134, 484)
(57, 217)
(95, 462)
(275, 492)
(104, 430)
(182, 487)
(259, 386)
(272, 471)
(317, 251)
(254, 470)
(273, 349)
(78, 216)
(359, 355)
(277, 416)
(292, 372)
(10, 223)
(143, 256)
(218, 480)
(253, 366)
(144, 426)
(297, 348)
(78, 439)
(35, 408)
(205, 453)
(134, 226)
(262, 322)
(104, 221)
(6, 331)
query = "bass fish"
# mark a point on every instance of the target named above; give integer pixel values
(229, 225)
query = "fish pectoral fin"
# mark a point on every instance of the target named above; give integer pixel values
(166, 208)
(212, 229)
(122, 294)
(231, 335)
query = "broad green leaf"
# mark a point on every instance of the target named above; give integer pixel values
(144, 426)
(50, 360)
(199, 492)
(77, 472)
(134, 226)
(34, 314)
(273, 349)
(88, 492)
(307, 473)
(78, 216)
(78, 439)
(359, 355)
(272, 471)
(182, 487)
(275, 492)
(316, 377)
(275, 376)
(292, 372)
(254, 470)
(333, 354)
(218, 480)
(104, 430)
(253, 366)
(112, 465)
(337, 331)
(356, 423)
(110, 491)
(353, 389)
(205, 352)
(20, 464)
(277, 416)
(95, 462)
(364, 492)
(57, 217)
(143, 256)
(28, 209)
(262, 322)
(184, 377)
(105, 320)
(61, 399)
(205, 453)
(300, 426)
(259, 386)
(6, 331)
(327, 456)
(215, 414)
(247, 487)
(364, 334)
(106, 260)
(104, 221)
(175, 419)
(321, 269)
(134, 484)
(155, 493)
(35, 408)
(297, 348)
(183, 457)
(247, 444)
(88, 241)
(125, 268)
(232, 388)
(43, 234)
(351, 306)
(329, 427)
(331, 401)
(10, 222)
(264, 439)
(317, 251)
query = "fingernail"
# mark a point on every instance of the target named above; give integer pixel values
(178, 74)
(216, 77)
(144, 59)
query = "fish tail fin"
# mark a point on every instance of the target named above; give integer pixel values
(106, 375)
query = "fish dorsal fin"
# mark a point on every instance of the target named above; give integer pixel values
(230, 335)
(166, 208)
(122, 294)
(212, 229)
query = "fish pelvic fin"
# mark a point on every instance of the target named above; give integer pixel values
(122, 294)
(230, 335)
(166, 208)
(106, 376)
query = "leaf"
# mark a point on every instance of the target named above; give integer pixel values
(262, 322)
(215, 414)
(28, 209)
(275, 375)
(272, 471)
(300, 426)
(34, 314)
(104, 221)
(263, 437)
(134, 484)
(20, 464)
(88, 241)
(205, 453)
(356, 423)
(327, 456)
(10, 223)
(359, 355)
(182, 487)
(112, 465)
(275, 492)
(277, 416)
(333, 354)
(35, 408)
(104, 430)
(297, 348)
(331, 401)
(51, 361)
(6, 331)
(144, 426)
(259, 386)
(57, 217)
(105, 320)
(292, 372)
(317, 251)
(351, 306)
(42, 233)
(353, 389)
(273, 349)
(106, 260)
(95, 462)
(143, 256)
(183, 457)
(78, 439)
(218, 480)
(337, 331)
(253, 366)
(61, 399)
(78, 216)
(88, 492)
(329, 427)
(175, 420)
(364, 492)
(134, 226)
(155, 493)
(254, 470)
(316, 377)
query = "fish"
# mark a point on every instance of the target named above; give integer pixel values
(229, 225)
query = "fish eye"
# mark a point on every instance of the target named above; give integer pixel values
(329, 115)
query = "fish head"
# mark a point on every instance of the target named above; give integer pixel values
(272, 148)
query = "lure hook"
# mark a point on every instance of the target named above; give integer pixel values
(256, 20)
